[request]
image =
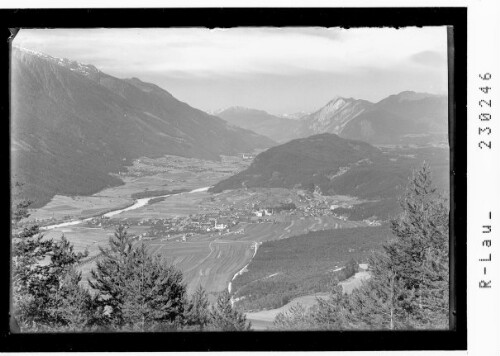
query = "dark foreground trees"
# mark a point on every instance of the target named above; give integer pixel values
(409, 284)
(130, 290)
(136, 291)
(45, 284)
(224, 317)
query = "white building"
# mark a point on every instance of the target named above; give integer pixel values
(220, 226)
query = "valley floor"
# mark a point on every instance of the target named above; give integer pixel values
(175, 226)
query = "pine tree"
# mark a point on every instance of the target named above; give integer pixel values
(226, 318)
(40, 266)
(155, 294)
(295, 318)
(197, 314)
(72, 309)
(329, 314)
(109, 281)
(377, 304)
(409, 284)
(420, 252)
(135, 291)
(62, 285)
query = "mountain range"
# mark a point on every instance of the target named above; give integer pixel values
(401, 118)
(295, 115)
(72, 125)
(407, 117)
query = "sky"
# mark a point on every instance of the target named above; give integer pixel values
(280, 70)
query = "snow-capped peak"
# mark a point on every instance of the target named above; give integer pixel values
(74, 66)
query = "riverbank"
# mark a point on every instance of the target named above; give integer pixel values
(139, 203)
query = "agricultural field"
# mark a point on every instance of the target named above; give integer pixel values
(183, 204)
(166, 173)
(62, 207)
(209, 262)
(212, 260)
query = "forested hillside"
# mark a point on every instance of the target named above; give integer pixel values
(304, 265)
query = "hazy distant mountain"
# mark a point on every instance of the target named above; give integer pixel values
(295, 116)
(332, 117)
(335, 165)
(72, 125)
(261, 122)
(402, 118)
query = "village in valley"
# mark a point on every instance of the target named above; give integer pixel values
(218, 217)
(183, 222)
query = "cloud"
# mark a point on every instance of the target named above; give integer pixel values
(311, 62)
(237, 51)
(428, 58)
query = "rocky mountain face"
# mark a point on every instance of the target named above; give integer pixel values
(277, 128)
(332, 117)
(407, 117)
(72, 125)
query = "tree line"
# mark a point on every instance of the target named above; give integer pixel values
(130, 289)
(409, 284)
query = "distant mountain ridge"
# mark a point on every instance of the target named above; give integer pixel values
(72, 125)
(277, 128)
(407, 117)
(396, 119)
(332, 117)
(295, 116)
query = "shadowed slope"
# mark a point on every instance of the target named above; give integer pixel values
(72, 125)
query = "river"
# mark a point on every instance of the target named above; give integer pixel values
(139, 203)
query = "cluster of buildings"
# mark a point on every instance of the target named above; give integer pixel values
(188, 226)
(262, 212)
(225, 216)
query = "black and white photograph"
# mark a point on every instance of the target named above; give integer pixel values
(240, 179)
